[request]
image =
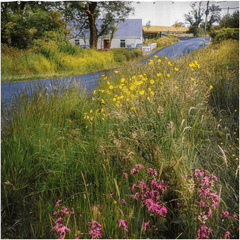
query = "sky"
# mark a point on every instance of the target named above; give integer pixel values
(166, 13)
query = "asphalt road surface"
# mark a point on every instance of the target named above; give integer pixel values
(10, 91)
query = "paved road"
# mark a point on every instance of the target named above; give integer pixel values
(10, 91)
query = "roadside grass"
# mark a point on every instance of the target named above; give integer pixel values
(50, 60)
(94, 151)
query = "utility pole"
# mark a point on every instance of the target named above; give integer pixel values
(207, 12)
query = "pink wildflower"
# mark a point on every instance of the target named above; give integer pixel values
(206, 181)
(201, 203)
(65, 210)
(57, 204)
(227, 235)
(123, 201)
(137, 195)
(95, 224)
(138, 166)
(80, 215)
(123, 224)
(125, 175)
(204, 192)
(203, 232)
(134, 186)
(225, 214)
(55, 213)
(214, 204)
(146, 224)
(152, 171)
(63, 231)
(72, 212)
(58, 220)
(133, 171)
(235, 216)
(209, 212)
(143, 185)
(95, 233)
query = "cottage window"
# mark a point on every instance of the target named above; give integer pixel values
(122, 43)
(77, 42)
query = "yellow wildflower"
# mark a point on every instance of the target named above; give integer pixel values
(116, 71)
(192, 79)
(176, 87)
(166, 58)
(159, 60)
(103, 101)
(94, 92)
(168, 75)
(142, 92)
(211, 86)
(110, 87)
(176, 69)
(159, 74)
(149, 89)
(155, 56)
(122, 80)
(169, 64)
(152, 81)
(148, 98)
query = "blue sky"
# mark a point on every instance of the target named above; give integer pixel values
(166, 13)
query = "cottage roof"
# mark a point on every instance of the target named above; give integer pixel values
(128, 28)
(154, 29)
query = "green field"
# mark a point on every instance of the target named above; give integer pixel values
(123, 159)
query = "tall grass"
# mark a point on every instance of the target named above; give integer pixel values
(166, 116)
(48, 59)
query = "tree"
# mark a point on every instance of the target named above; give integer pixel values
(22, 23)
(196, 16)
(230, 21)
(178, 24)
(84, 15)
(148, 24)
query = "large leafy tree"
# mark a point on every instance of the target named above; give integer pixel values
(197, 14)
(23, 22)
(83, 15)
(230, 21)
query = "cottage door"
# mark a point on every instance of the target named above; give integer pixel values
(105, 44)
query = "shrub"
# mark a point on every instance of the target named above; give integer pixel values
(224, 34)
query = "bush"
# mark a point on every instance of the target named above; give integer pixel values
(224, 34)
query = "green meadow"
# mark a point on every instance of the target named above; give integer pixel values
(153, 152)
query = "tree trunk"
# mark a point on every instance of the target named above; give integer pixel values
(90, 9)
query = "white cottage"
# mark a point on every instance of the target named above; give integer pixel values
(128, 35)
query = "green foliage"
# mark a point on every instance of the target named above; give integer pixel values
(125, 55)
(230, 21)
(20, 28)
(224, 34)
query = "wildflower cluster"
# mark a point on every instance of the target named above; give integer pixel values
(150, 192)
(95, 232)
(60, 228)
(205, 198)
(92, 115)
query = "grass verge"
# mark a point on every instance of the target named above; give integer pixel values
(64, 60)
(121, 161)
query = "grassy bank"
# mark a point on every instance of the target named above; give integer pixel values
(121, 161)
(49, 60)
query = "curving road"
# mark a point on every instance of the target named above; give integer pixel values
(11, 90)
